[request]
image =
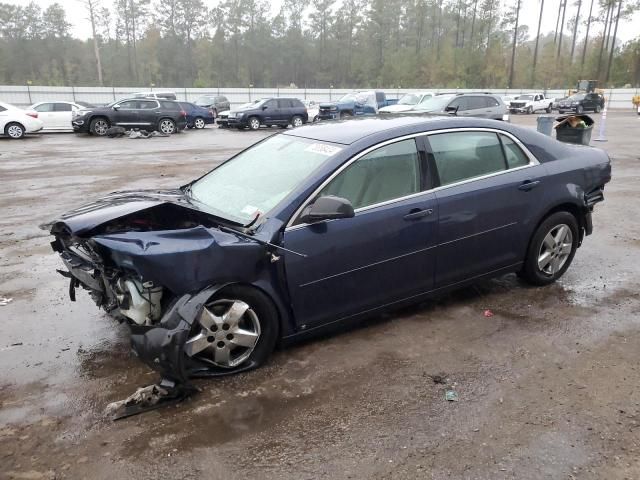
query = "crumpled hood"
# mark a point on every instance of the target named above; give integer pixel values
(116, 205)
(397, 108)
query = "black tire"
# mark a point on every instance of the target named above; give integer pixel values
(14, 130)
(529, 110)
(99, 126)
(560, 111)
(254, 123)
(297, 121)
(167, 126)
(531, 271)
(597, 109)
(580, 110)
(549, 109)
(269, 327)
(199, 123)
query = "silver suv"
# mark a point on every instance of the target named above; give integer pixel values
(484, 105)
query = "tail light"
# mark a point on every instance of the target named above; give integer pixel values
(32, 114)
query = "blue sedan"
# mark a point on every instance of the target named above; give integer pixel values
(324, 224)
(197, 116)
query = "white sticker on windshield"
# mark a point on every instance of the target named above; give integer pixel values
(322, 149)
(249, 210)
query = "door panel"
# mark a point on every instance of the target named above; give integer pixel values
(355, 264)
(127, 114)
(482, 208)
(383, 254)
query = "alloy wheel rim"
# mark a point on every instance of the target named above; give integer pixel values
(101, 127)
(297, 122)
(199, 123)
(14, 131)
(555, 249)
(255, 124)
(166, 126)
(229, 332)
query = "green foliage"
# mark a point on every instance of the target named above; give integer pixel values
(344, 43)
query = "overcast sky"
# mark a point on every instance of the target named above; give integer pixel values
(529, 16)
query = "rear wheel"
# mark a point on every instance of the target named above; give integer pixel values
(296, 121)
(552, 249)
(597, 109)
(99, 126)
(167, 126)
(254, 123)
(14, 130)
(237, 329)
(199, 123)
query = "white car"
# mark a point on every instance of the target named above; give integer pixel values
(15, 122)
(408, 102)
(56, 116)
(313, 109)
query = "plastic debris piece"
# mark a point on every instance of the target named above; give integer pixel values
(5, 301)
(488, 313)
(451, 396)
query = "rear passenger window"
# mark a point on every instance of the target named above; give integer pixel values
(464, 155)
(145, 105)
(476, 103)
(284, 103)
(62, 107)
(491, 102)
(45, 107)
(169, 106)
(515, 155)
(387, 173)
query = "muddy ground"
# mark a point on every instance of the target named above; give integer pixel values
(548, 385)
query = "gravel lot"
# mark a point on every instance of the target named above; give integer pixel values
(548, 386)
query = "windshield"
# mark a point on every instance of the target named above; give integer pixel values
(435, 104)
(525, 97)
(576, 98)
(256, 180)
(409, 99)
(204, 101)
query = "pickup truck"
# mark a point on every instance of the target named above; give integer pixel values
(366, 102)
(531, 102)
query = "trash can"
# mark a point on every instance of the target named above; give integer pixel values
(574, 129)
(545, 124)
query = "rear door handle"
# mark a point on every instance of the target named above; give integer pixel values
(529, 185)
(416, 213)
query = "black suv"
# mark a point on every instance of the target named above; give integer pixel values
(150, 114)
(215, 103)
(580, 102)
(269, 111)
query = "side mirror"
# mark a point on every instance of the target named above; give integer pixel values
(452, 110)
(327, 208)
(116, 107)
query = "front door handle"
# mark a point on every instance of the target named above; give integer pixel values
(528, 185)
(418, 213)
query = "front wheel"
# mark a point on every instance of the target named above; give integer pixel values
(199, 123)
(529, 110)
(167, 126)
(552, 249)
(549, 109)
(597, 109)
(237, 329)
(99, 126)
(254, 123)
(580, 110)
(14, 130)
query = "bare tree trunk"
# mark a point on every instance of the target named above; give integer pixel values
(604, 34)
(575, 30)
(555, 32)
(513, 50)
(90, 5)
(535, 51)
(613, 42)
(564, 12)
(586, 37)
(473, 22)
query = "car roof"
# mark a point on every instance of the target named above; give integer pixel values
(390, 126)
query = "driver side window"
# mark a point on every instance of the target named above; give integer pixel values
(384, 174)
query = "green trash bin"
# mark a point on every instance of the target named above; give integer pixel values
(579, 134)
(545, 124)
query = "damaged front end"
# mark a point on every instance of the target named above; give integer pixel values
(152, 260)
